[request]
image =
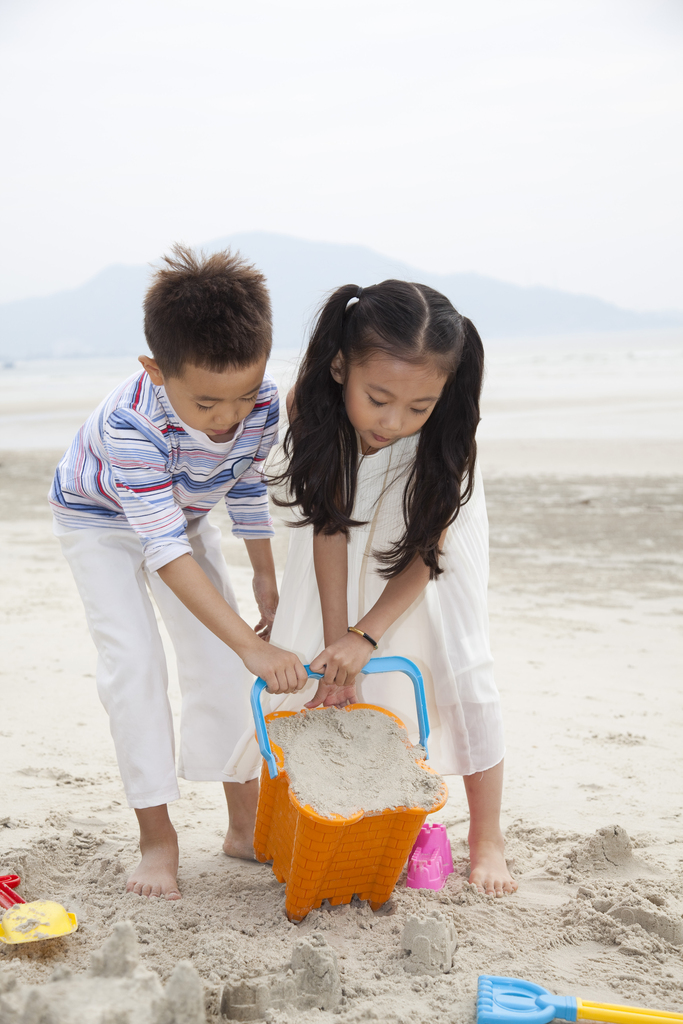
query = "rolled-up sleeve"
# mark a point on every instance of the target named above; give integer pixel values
(138, 463)
(247, 499)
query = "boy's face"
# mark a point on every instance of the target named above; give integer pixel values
(210, 401)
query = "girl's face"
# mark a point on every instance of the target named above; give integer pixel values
(387, 398)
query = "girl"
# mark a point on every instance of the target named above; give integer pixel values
(391, 554)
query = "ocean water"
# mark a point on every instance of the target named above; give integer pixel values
(632, 392)
(613, 386)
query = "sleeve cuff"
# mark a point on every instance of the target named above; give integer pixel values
(254, 531)
(161, 556)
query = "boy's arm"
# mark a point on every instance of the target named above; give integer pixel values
(264, 583)
(282, 671)
(247, 499)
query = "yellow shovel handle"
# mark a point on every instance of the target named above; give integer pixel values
(622, 1014)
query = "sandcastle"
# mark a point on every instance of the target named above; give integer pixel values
(311, 980)
(116, 987)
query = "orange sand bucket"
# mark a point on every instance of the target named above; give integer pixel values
(334, 858)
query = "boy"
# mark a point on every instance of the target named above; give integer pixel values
(130, 500)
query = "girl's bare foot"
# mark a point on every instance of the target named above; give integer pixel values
(242, 799)
(156, 873)
(488, 870)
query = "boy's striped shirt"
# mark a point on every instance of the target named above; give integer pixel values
(134, 465)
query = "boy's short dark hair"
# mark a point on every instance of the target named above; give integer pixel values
(209, 311)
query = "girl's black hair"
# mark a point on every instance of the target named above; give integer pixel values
(411, 322)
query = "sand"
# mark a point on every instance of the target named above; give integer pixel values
(342, 762)
(586, 616)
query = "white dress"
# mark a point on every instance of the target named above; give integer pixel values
(445, 631)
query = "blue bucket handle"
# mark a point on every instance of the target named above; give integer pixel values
(394, 664)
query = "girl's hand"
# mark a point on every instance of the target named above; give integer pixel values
(333, 696)
(265, 592)
(342, 660)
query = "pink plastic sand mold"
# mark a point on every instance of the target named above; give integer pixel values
(431, 860)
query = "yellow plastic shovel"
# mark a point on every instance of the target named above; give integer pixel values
(31, 922)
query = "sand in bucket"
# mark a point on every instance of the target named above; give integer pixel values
(342, 762)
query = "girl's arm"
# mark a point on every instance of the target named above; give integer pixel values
(344, 657)
(330, 558)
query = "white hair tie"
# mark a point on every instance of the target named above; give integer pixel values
(354, 299)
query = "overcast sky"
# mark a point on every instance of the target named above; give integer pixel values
(537, 141)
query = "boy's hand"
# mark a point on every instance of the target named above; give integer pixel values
(265, 592)
(281, 670)
(340, 662)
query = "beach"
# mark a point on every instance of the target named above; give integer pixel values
(582, 455)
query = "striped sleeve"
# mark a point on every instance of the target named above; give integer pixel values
(144, 487)
(247, 500)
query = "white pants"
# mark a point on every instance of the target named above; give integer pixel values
(132, 680)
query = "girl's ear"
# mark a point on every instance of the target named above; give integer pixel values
(337, 368)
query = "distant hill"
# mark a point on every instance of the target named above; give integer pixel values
(103, 316)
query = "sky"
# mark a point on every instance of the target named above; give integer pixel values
(536, 141)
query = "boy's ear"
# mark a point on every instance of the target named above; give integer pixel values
(337, 368)
(152, 369)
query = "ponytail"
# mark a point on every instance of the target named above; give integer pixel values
(320, 443)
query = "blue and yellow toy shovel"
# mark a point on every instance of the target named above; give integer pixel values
(513, 1001)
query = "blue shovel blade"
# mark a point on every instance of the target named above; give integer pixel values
(511, 1001)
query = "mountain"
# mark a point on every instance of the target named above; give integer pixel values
(103, 316)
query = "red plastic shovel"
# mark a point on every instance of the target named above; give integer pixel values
(8, 897)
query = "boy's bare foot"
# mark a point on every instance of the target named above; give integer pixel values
(488, 870)
(239, 845)
(156, 873)
(242, 799)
